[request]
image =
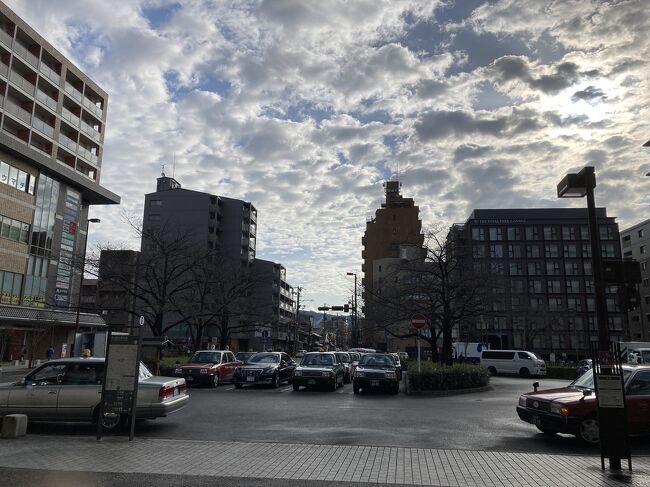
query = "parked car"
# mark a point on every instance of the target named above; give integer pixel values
(319, 369)
(512, 362)
(70, 390)
(265, 368)
(354, 357)
(347, 364)
(583, 366)
(376, 371)
(301, 353)
(244, 356)
(208, 367)
(573, 409)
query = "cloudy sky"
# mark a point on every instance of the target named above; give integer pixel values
(306, 107)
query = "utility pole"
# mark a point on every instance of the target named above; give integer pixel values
(297, 322)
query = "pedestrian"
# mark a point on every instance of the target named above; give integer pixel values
(50, 352)
(227, 347)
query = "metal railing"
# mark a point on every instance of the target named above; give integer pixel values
(90, 130)
(67, 142)
(74, 92)
(41, 126)
(87, 155)
(70, 117)
(6, 38)
(46, 99)
(50, 73)
(21, 82)
(92, 107)
(25, 54)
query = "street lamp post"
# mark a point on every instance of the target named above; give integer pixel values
(81, 282)
(355, 315)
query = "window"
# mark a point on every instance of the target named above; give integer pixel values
(14, 177)
(535, 286)
(584, 232)
(534, 268)
(533, 251)
(552, 251)
(586, 251)
(553, 268)
(646, 282)
(553, 286)
(155, 203)
(496, 251)
(642, 249)
(14, 229)
(84, 374)
(514, 233)
(640, 385)
(478, 251)
(640, 233)
(572, 286)
(587, 267)
(627, 254)
(47, 376)
(608, 250)
(644, 266)
(647, 299)
(532, 233)
(478, 233)
(516, 269)
(497, 268)
(496, 233)
(574, 304)
(551, 233)
(627, 241)
(589, 286)
(570, 250)
(536, 303)
(514, 251)
(517, 286)
(606, 232)
(568, 233)
(591, 305)
(10, 284)
(154, 218)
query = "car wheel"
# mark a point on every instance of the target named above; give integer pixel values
(492, 370)
(547, 431)
(524, 372)
(215, 381)
(342, 382)
(355, 389)
(276, 380)
(588, 431)
(238, 385)
(334, 384)
(111, 421)
(296, 387)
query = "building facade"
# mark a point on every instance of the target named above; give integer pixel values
(541, 296)
(52, 126)
(395, 228)
(635, 242)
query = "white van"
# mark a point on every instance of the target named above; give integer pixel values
(512, 362)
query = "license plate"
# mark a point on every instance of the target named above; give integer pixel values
(536, 420)
(189, 379)
(311, 381)
(250, 378)
(374, 383)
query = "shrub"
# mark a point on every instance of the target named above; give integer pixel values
(434, 377)
(554, 372)
(168, 364)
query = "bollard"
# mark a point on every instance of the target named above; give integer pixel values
(14, 426)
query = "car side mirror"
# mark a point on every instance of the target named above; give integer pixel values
(21, 382)
(535, 386)
(238, 362)
(587, 392)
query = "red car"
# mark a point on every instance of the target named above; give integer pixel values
(572, 409)
(208, 367)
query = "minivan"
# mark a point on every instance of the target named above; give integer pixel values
(512, 362)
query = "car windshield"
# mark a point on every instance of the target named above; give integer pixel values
(317, 360)
(586, 380)
(354, 356)
(378, 361)
(645, 354)
(205, 357)
(344, 357)
(244, 355)
(264, 358)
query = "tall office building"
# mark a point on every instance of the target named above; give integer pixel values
(395, 228)
(636, 245)
(541, 292)
(53, 122)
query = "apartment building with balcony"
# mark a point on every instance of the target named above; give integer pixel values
(52, 127)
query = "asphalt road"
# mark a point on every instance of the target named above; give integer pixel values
(485, 420)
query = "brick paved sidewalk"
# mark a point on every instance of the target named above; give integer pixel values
(373, 465)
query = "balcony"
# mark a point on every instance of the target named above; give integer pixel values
(18, 111)
(22, 83)
(91, 131)
(87, 155)
(92, 107)
(50, 74)
(46, 100)
(43, 127)
(4, 69)
(5, 38)
(68, 116)
(25, 55)
(67, 142)
(73, 92)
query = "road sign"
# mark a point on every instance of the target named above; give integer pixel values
(141, 320)
(418, 320)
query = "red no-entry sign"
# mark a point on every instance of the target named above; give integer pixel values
(418, 320)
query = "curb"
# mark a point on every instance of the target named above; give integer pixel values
(451, 392)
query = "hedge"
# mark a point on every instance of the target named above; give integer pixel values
(434, 377)
(168, 364)
(556, 372)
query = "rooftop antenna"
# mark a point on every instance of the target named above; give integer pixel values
(174, 166)
(398, 169)
(162, 172)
